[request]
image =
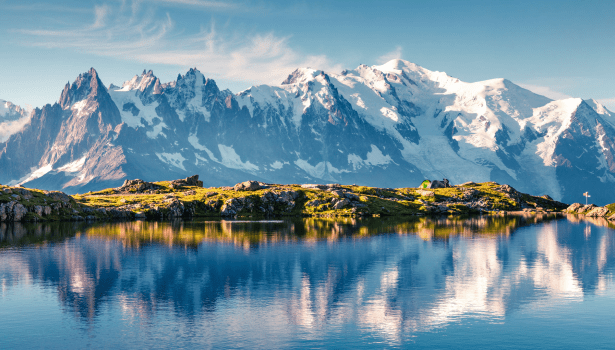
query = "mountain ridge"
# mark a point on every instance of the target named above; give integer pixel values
(391, 125)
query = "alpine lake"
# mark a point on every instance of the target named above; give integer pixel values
(535, 281)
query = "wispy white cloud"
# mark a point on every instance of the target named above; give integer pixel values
(8, 128)
(545, 91)
(45, 7)
(100, 15)
(199, 3)
(395, 54)
(128, 32)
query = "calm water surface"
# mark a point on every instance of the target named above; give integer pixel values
(536, 282)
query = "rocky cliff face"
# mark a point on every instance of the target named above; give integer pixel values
(392, 125)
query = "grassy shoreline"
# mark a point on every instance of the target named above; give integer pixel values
(173, 199)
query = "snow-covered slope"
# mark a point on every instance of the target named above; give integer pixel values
(389, 125)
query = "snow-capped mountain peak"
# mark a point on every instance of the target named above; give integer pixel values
(599, 108)
(141, 83)
(386, 125)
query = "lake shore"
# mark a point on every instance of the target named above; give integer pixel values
(186, 198)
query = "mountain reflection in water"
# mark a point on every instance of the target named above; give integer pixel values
(265, 281)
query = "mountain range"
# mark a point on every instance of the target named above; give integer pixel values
(392, 125)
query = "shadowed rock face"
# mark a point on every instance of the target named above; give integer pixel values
(388, 126)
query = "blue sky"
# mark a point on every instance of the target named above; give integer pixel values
(557, 48)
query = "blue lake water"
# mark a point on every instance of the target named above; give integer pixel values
(479, 283)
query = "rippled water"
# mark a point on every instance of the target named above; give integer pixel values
(485, 282)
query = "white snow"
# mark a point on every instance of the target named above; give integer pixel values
(317, 170)
(34, 174)
(373, 157)
(553, 119)
(231, 159)
(73, 166)
(82, 109)
(174, 159)
(146, 112)
(322, 170)
(194, 141)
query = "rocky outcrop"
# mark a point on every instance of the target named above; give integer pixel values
(12, 211)
(58, 196)
(598, 212)
(511, 193)
(137, 186)
(574, 208)
(189, 181)
(247, 186)
(590, 210)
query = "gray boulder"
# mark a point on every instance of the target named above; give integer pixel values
(351, 196)
(574, 207)
(137, 186)
(314, 203)
(12, 211)
(249, 185)
(598, 212)
(189, 181)
(337, 193)
(586, 208)
(58, 196)
(341, 203)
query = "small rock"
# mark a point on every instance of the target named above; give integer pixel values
(247, 186)
(25, 194)
(313, 203)
(351, 196)
(140, 215)
(340, 204)
(574, 207)
(189, 181)
(337, 193)
(39, 210)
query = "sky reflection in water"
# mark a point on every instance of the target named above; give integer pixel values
(481, 282)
